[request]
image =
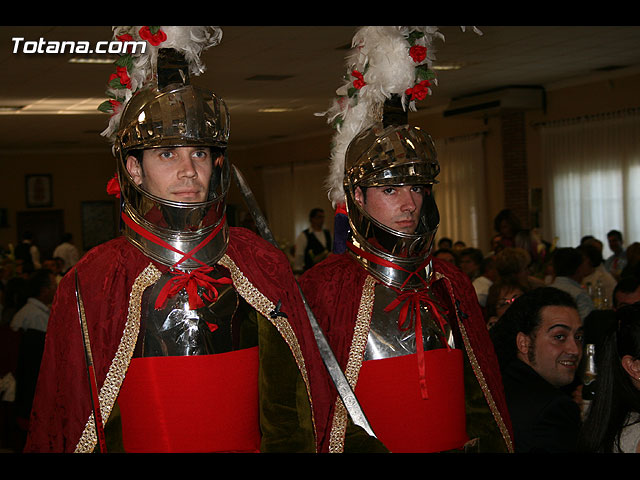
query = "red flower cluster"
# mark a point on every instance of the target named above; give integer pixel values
(153, 38)
(419, 91)
(113, 186)
(359, 81)
(418, 53)
(122, 75)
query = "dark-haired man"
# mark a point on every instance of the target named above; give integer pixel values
(616, 262)
(313, 244)
(406, 328)
(627, 292)
(539, 344)
(176, 307)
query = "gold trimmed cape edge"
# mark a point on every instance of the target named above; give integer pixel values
(356, 354)
(124, 353)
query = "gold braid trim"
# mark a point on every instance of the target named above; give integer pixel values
(478, 372)
(120, 363)
(264, 306)
(356, 356)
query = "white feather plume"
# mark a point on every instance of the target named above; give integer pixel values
(191, 41)
(381, 55)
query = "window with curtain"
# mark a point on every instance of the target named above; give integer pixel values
(461, 193)
(592, 172)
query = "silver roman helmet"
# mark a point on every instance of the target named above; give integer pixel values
(393, 155)
(170, 112)
(388, 71)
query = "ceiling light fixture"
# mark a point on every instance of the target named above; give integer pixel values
(56, 106)
(445, 67)
(275, 110)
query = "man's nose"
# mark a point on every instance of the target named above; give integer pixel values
(408, 201)
(186, 165)
(573, 346)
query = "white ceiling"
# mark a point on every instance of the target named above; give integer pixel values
(311, 60)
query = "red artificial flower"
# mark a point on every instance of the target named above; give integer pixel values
(153, 38)
(126, 38)
(122, 75)
(359, 81)
(418, 53)
(419, 91)
(113, 186)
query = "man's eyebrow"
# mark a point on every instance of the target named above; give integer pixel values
(564, 327)
(559, 325)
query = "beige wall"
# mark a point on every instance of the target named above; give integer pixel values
(82, 176)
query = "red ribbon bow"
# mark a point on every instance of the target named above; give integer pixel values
(189, 281)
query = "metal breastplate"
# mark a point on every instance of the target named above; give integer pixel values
(386, 339)
(177, 330)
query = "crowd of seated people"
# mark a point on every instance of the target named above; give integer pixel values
(543, 305)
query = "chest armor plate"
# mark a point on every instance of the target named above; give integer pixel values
(177, 330)
(386, 339)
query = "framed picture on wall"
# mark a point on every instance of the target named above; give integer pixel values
(39, 192)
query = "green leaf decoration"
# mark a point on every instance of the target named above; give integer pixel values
(423, 73)
(413, 36)
(105, 107)
(125, 61)
(154, 30)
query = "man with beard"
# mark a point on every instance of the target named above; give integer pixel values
(539, 342)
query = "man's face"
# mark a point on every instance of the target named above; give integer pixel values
(555, 350)
(468, 266)
(180, 174)
(623, 299)
(317, 221)
(397, 207)
(615, 244)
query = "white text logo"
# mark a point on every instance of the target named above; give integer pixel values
(83, 47)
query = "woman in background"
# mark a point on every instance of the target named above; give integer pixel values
(613, 423)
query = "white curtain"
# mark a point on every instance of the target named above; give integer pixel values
(592, 170)
(291, 191)
(461, 193)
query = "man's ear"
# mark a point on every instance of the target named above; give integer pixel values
(523, 343)
(134, 169)
(359, 196)
(631, 366)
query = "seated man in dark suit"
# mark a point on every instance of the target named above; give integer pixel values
(539, 346)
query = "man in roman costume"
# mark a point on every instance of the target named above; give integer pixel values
(406, 328)
(183, 313)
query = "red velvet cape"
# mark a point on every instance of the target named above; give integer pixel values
(62, 404)
(333, 290)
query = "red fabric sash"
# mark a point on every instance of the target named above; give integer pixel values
(402, 420)
(201, 403)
